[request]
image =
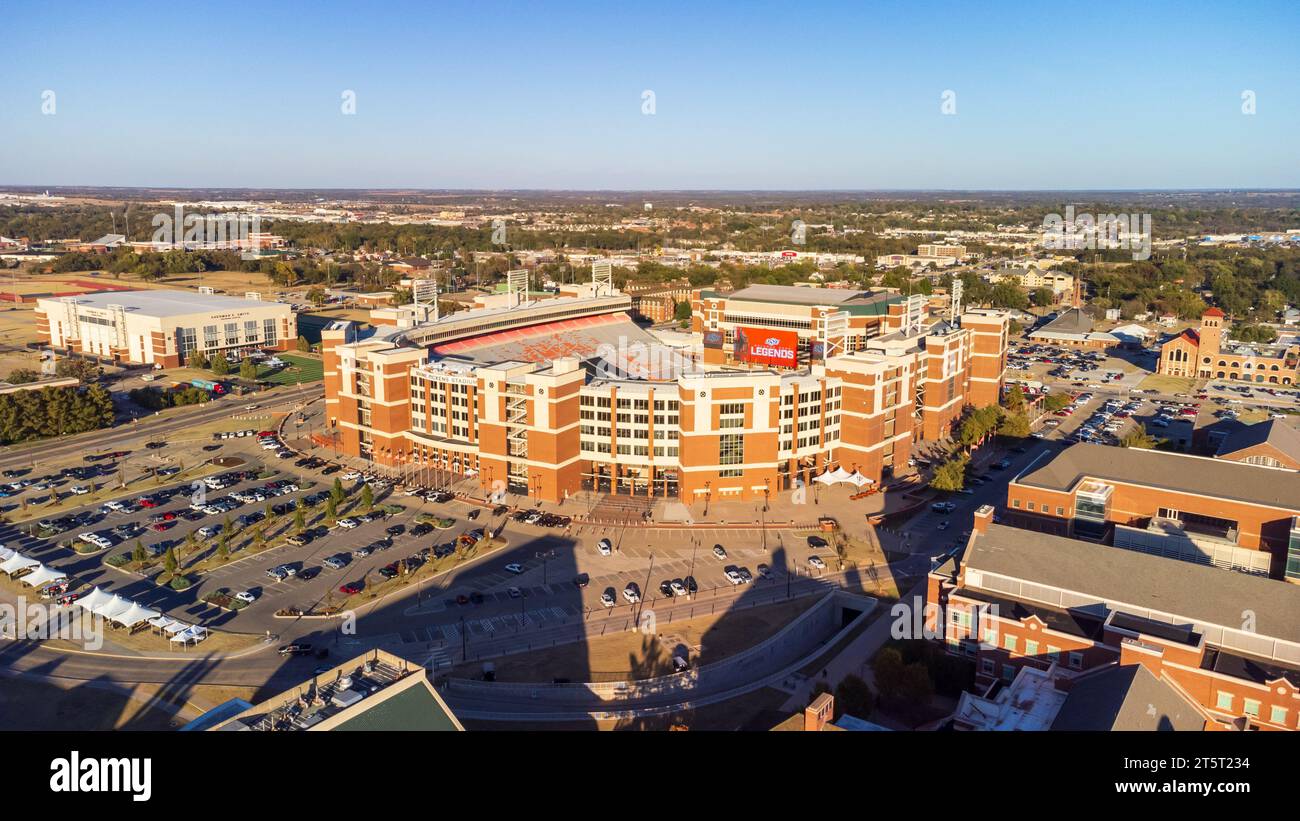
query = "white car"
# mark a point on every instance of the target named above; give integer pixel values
(679, 589)
(942, 525)
(350, 475)
(734, 577)
(79, 490)
(604, 547)
(719, 551)
(270, 444)
(348, 524)
(246, 597)
(251, 406)
(514, 567)
(607, 599)
(816, 561)
(632, 593)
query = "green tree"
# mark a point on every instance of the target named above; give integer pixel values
(170, 562)
(299, 519)
(331, 509)
(853, 697)
(1014, 425)
(198, 360)
(219, 365)
(951, 475)
(367, 497)
(139, 554)
(303, 345)
(248, 369)
(682, 312)
(83, 369)
(337, 493)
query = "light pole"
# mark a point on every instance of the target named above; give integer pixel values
(545, 556)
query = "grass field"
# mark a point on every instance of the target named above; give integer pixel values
(301, 369)
(1168, 384)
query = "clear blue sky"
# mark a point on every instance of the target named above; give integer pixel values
(748, 95)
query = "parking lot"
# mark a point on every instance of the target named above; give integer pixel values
(548, 566)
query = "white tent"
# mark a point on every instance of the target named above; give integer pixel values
(93, 599)
(6, 553)
(834, 477)
(136, 614)
(115, 606)
(16, 563)
(859, 480)
(191, 634)
(42, 576)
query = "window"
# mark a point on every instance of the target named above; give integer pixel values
(1009, 643)
(1031, 648)
(1053, 654)
(987, 667)
(1277, 715)
(1009, 672)
(1251, 707)
(991, 636)
(731, 449)
(1223, 701)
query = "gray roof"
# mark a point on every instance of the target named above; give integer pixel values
(1274, 432)
(799, 296)
(1126, 698)
(1073, 321)
(1139, 581)
(170, 303)
(1214, 478)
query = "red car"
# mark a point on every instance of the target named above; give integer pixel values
(147, 502)
(265, 433)
(162, 526)
(351, 588)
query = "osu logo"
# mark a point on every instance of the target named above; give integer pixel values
(771, 340)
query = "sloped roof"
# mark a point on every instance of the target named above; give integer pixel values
(1137, 583)
(1204, 476)
(1126, 698)
(1275, 433)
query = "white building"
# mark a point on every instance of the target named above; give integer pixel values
(163, 327)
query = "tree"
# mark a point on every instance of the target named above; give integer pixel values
(219, 365)
(299, 519)
(82, 369)
(139, 554)
(248, 369)
(1139, 439)
(367, 497)
(22, 376)
(682, 312)
(331, 509)
(951, 475)
(1014, 425)
(169, 561)
(303, 344)
(853, 696)
(337, 493)
(198, 360)
(269, 512)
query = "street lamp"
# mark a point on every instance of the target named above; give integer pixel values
(707, 494)
(545, 556)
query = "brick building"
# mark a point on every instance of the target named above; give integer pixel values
(1195, 508)
(565, 394)
(1228, 642)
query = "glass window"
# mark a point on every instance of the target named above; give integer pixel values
(1223, 701)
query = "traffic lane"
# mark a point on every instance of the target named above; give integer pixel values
(152, 426)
